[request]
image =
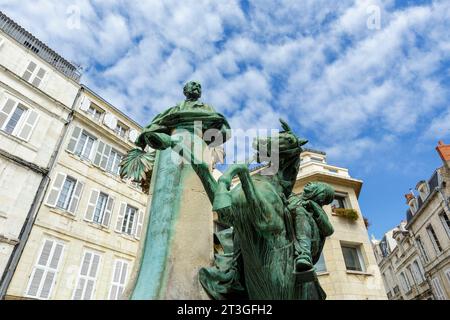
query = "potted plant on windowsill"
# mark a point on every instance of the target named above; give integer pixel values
(350, 214)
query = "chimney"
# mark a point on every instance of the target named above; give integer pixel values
(409, 197)
(444, 152)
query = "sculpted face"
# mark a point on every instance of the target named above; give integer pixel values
(192, 90)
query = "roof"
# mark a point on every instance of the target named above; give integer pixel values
(314, 151)
(30, 42)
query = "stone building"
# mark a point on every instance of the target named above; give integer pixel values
(418, 265)
(37, 91)
(86, 235)
(347, 268)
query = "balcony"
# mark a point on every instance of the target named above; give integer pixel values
(33, 44)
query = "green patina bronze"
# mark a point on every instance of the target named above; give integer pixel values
(275, 237)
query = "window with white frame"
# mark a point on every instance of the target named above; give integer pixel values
(339, 202)
(437, 289)
(85, 145)
(130, 220)
(353, 257)
(87, 277)
(34, 74)
(114, 160)
(119, 279)
(445, 222)
(65, 193)
(94, 112)
(434, 239)
(422, 249)
(16, 119)
(418, 273)
(320, 265)
(43, 276)
(405, 282)
(121, 129)
(447, 274)
(424, 190)
(100, 208)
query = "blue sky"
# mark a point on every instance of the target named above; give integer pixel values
(374, 96)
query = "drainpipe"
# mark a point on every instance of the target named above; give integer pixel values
(32, 213)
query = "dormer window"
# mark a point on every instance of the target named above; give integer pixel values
(413, 205)
(94, 112)
(424, 189)
(120, 129)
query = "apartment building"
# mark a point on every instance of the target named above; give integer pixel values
(347, 268)
(37, 91)
(86, 235)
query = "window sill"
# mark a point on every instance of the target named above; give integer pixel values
(360, 273)
(322, 273)
(83, 160)
(24, 143)
(127, 236)
(98, 226)
(63, 213)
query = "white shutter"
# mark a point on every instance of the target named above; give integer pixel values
(76, 197)
(139, 222)
(29, 124)
(110, 121)
(105, 157)
(91, 205)
(44, 273)
(29, 72)
(439, 293)
(74, 139)
(123, 207)
(39, 77)
(133, 135)
(87, 277)
(99, 153)
(85, 104)
(55, 190)
(6, 111)
(119, 279)
(2, 42)
(108, 211)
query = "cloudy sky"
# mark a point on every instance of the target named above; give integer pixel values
(366, 81)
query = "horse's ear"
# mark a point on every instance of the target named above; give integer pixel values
(284, 125)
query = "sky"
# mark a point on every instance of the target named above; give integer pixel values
(365, 81)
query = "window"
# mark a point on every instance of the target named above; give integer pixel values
(17, 120)
(437, 289)
(353, 258)
(94, 112)
(434, 239)
(405, 282)
(320, 264)
(417, 271)
(338, 202)
(45, 270)
(130, 220)
(114, 160)
(100, 208)
(445, 222)
(65, 193)
(88, 274)
(33, 74)
(121, 130)
(118, 280)
(422, 249)
(447, 274)
(424, 190)
(84, 146)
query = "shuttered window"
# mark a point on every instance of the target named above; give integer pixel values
(17, 120)
(437, 289)
(119, 279)
(100, 208)
(417, 271)
(114, 162)
(87, 277)
(65, 193)
(44, 273)
(130, 220)
(434, 239)
(34, 74)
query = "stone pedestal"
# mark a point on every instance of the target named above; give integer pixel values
(178, 237)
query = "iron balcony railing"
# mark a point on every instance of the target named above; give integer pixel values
(30, 42)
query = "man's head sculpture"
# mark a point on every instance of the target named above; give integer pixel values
(192, 90)
(286, 144)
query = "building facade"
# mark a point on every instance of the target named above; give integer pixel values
(347, 268)
(418, 265)
(37, 91)
(86, 234)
